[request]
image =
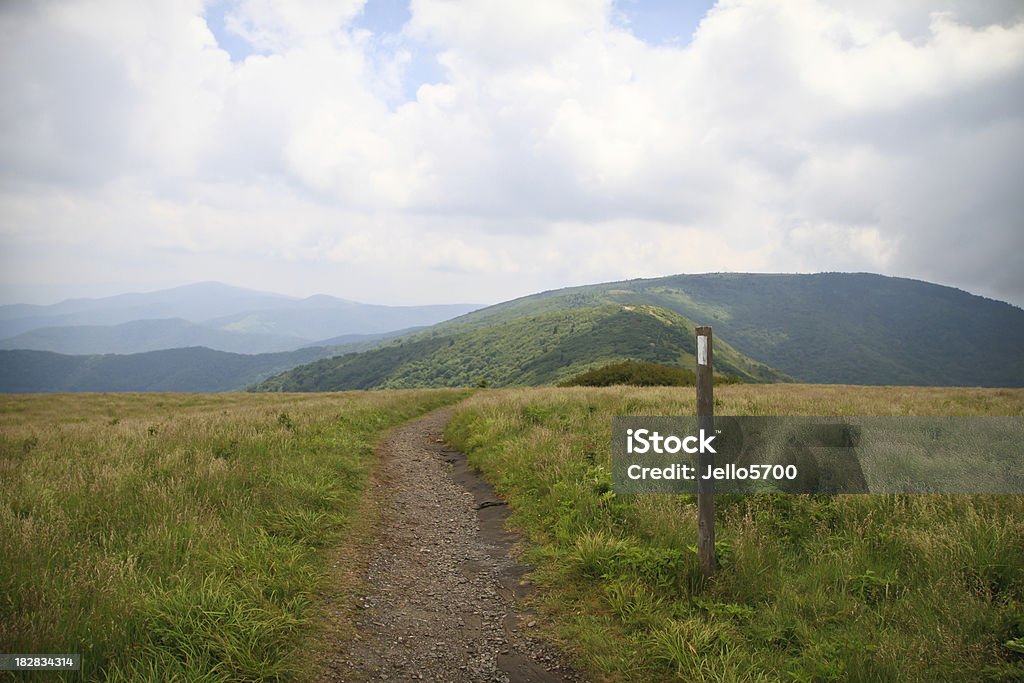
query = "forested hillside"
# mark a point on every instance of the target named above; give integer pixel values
(190, 369)
(527, 350)
(854, 328)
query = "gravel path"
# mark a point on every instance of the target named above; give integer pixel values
(440, 585)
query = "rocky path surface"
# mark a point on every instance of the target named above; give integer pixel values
(440, 585)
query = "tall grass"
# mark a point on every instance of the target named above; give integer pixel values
(179, 537)
(811, 588)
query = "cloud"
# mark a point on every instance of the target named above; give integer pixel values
(493, 34)
(555, 147)
(278, 26)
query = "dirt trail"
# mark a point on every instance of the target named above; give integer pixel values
(438, 603)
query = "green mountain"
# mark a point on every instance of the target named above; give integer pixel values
(139, 336)
(847, 328)
(187, 369)
(192, 369)
(831, 327)
(520, 350)
(844, 328)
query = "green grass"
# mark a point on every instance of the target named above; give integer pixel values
(180, 537)
(811, 588)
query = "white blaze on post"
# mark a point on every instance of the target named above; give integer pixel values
(705, 382)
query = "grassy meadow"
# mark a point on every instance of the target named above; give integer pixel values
(180, 536)
(190, 537)
(811, 588)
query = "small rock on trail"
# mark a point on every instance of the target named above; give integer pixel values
(440, 588)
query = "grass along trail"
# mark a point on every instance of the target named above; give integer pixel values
(183, 536)
(810, 587)
(438, 594)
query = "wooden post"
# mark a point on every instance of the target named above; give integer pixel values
(705, 422)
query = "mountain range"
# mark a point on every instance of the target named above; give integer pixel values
(210, 314)
(540, 348)
(844, 328)
(193, 368)
(853, 328)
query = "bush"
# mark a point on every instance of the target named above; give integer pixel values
(633, 373)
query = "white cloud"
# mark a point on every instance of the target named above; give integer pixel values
(558, 148)
(489, 34)
(279, 25)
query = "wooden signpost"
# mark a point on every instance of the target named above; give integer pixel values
(705, 422)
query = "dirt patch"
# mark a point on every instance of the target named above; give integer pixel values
(440, 584)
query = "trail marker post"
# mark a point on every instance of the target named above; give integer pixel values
(705, 422)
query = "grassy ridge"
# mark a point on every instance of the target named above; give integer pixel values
(179, 536)
(522, 351)
(855, 328)
(811, 588)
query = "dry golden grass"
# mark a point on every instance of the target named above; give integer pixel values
(179, 535)
(811, 588)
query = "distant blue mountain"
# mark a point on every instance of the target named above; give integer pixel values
(190, 369)
(210, 314)
(148, 335)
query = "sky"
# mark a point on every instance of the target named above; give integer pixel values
(442, 151)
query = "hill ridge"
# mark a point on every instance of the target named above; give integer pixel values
(529, 350)
(846, 328)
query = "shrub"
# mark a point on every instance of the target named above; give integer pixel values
(633, 373)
